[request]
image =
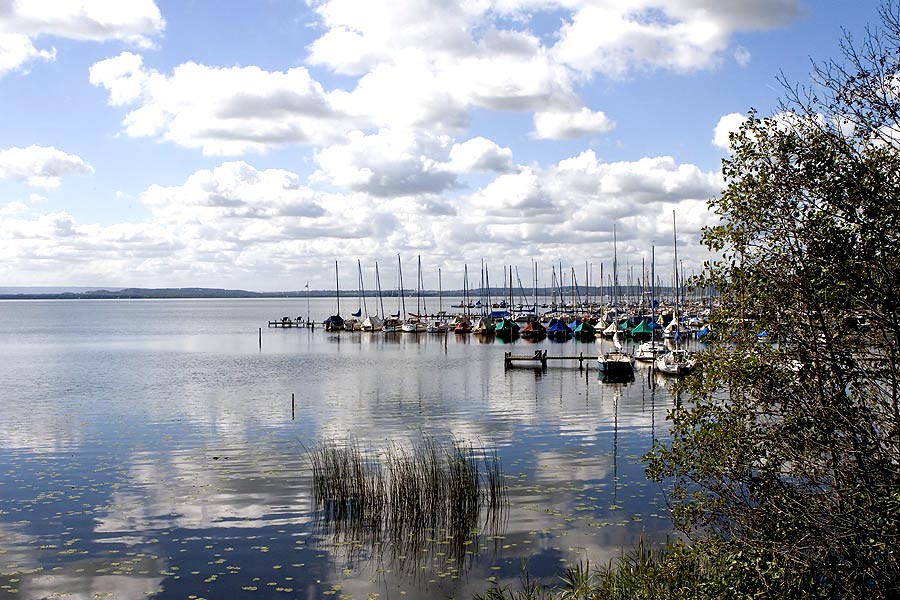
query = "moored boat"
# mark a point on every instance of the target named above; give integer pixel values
(558, 330)
(676, 362)
(437, 326)
(649, 351)
(584, 331)
(507, 328)
(616, 367)
(485, 326)
(533, 330)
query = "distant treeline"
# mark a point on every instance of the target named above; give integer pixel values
(495, 294)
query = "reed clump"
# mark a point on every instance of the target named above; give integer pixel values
(409, 497)
(430, 482)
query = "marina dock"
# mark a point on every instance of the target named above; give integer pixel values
(539, 357)
(287, 322)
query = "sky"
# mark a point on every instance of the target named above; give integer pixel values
(200, 143)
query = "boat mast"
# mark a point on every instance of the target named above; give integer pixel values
(337, 288)
(402, 295)
(615, 275)
(466, 289)
(675, 266)
(419, 289)
(675, 247)
(510, 305)
(362, 288)
(378, 284)
(486, 309)
(652, 289)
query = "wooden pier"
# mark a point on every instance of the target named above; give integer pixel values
(287, 322)
(540, 358)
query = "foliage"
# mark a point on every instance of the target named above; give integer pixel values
(786, 464)
(673, 570)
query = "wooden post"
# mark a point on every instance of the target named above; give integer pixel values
(292, 406)
(260, 338)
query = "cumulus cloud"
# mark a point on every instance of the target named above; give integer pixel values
(40, 166)
(427, 65)
(135, 22)
(480, 155)
(239, 225)
(392, 163)
(13, 208)
(233, 190)
(570, 125)
(387, 163)
(727, 124)
(222, 111)
(16, 50)
(616, 40)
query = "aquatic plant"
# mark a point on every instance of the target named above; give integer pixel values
(670, 570)
(400, 501)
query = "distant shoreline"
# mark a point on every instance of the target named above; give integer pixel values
(214, 293)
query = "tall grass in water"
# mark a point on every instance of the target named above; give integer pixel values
(644, 571)
(408, 497)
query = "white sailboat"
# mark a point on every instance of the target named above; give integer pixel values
(415, 323)
(676, 361)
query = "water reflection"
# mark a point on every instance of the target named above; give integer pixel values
(163, 430)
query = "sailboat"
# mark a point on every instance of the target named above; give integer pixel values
(677, 361)
(650, 350)
(558, 331)
(616, 366)
(354, 323)
(460, 323)
(392, 323)
(415, 323)
(439, 323)
(533, 330)
(584, 331)
(373, 322)
(506, 329)
(335, 322)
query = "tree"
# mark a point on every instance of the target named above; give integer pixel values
(785, 462)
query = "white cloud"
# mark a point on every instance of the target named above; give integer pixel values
(222, 111)
(616, 42)
(13, 208)
(426, 65)
(40, 166)
(134, 21)
(480, 155)
(570, 125)
(727, 124)
(233, 190)
(617, 39)
(262, 228)
(742, 56)
(387, 163)
(16, 50)
(392, 163)
(21, 21)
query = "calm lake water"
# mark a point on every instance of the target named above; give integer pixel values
(148, 449)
